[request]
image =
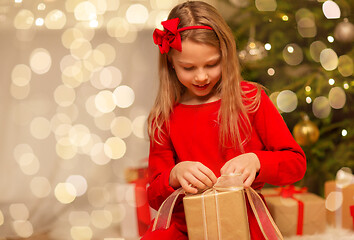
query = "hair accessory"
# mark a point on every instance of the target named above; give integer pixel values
(170, 37)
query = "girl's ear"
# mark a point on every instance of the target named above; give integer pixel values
(169, 59)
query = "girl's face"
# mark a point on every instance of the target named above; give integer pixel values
(198, 68)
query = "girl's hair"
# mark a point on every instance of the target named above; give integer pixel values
(233, 118)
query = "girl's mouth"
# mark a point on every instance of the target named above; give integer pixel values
(201, 87)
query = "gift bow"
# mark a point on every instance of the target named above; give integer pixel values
(170, 37)
(290, 190)
(231, 182)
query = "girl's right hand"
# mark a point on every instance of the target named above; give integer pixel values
(191, 176)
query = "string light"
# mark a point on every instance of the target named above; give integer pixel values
(308, 89)
(308, 100)
(346, 86)
(330, 39)
(331, 81)
(39, 22)
(344, 132)
(267, 46)
(290, 49)
(285, 18)
(271, 71)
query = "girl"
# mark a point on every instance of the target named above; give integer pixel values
(208, 121)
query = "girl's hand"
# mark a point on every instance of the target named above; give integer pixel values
(191, 176)
(247, 164)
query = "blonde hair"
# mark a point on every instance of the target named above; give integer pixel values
(233, 118)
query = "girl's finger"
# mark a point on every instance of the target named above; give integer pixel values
(210, 176)
(187, 187)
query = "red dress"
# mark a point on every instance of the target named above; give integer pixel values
(194, 136)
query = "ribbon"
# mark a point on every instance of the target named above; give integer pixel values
(224, 183)
(288, 192)
(352, 213)
(142, 206)
(170, 37)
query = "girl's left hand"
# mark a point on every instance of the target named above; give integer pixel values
(247, 164)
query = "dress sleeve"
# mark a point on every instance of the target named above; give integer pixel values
(282, 161)
(161, 162)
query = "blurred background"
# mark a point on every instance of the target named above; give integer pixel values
(78, 79)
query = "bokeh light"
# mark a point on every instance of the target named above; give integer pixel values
(345, 65)
(115, 147)
(137, 14)
(344, 177)
(40, 61)
(316, 48)
(24, 19)
(19, 211)
(121, 127)
(85, 11)
(29, 163)
(1, 218)
(65, 193)
(79, 135)
(40, 128)
(81, 232)
(101, 219)
(55, 19)
(329, 59)
(337, 98)
(344, 132)
(287, 101)
(18, 92)
(79, 183)
(98, 155)
(124, 96)
(293, 54)
(139, 126)
(321, 107)
(334, 201)
(65, 149)
(22, 228)
(40, 187)
(21, 75)
(266, 5)
(104, 101)
(306, 23)
(331, 9)
(80, 48)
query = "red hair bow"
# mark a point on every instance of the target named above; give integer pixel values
(170, 37)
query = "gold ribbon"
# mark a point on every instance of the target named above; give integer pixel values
(231, 182)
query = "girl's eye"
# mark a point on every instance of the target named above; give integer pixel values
(212, 65)
(188, 68)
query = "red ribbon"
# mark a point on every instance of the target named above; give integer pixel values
(170, 37)
(288, 192)
(142, 205)
(352, 213)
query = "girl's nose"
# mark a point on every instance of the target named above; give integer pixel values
(201, 76)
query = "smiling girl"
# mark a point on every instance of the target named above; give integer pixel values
(207, 121)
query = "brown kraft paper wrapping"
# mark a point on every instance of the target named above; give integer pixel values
(232, 215)
(341, 217)
(285, 212)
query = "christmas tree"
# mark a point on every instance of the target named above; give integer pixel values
(302, 52)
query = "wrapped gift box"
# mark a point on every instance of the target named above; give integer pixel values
(339, 202)
(296, 214)
(213, 214)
